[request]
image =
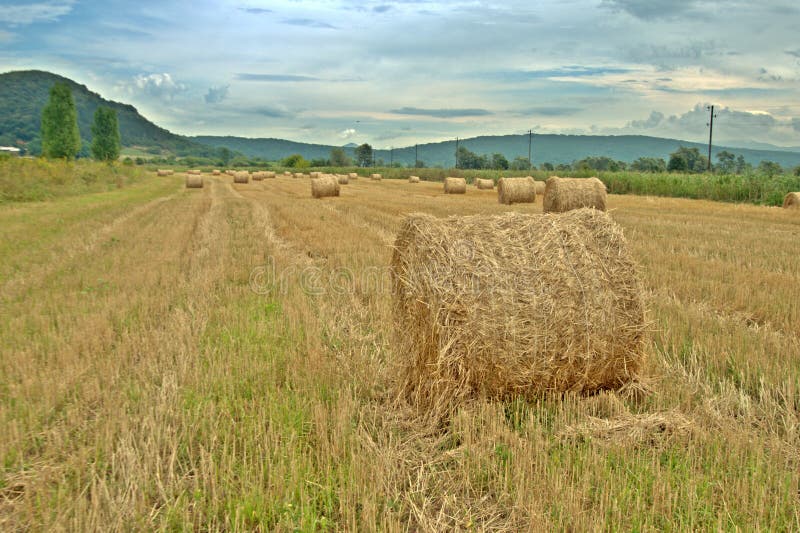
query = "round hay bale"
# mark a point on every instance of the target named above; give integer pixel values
(258, 176)
(269, 175)
(315, 174)
(484, 184)
(455, 186)
(413, 179)
(343, 179)
(194, 172)
(193, 181)
(353, 176)
(241, 177)
(215, 172)
(287, 174)
(516, 191)
(376, 177)
(540, 187)
(512, 305)
(298, 174)
(324, 186)
(565, 194)
(162, 172)
(792, 201)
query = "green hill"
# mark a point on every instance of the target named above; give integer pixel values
(23, 94)
(546, 148)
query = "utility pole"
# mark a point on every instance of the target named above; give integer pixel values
(710, 133)
(530, 142)
(456, 152)
(391, 156)
(416, 156)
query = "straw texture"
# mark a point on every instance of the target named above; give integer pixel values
(565, 194)
(513, 305)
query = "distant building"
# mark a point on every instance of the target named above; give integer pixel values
(9, 150)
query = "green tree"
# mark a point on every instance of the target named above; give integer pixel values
(60, 135)
(687, 160)
(520, 163)
(796, 170)
(727, 162)
(769, 168)
(649, 164)
(499, 162)
(105, 135)
(547, 166)
(295, 161)
(468, 159)
(742, 165)
(363, 155)
(339, 159)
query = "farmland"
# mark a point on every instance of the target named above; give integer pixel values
(222, 359)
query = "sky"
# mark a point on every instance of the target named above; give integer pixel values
(399, 72)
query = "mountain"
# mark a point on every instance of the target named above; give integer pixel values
(23, 94)
(545, 148)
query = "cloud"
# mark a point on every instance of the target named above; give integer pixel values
(35, 12)
(793, 53)
(796, 124)
(160, 86)
(382, 8)
(270, 112)
(652, 121)
(309, 23)
(549, 111)
(347, 133)
(649, 9)
(570, 71)
(256, 10)
(6, 36)
(216, 95)
(273, 77)
(441, 113)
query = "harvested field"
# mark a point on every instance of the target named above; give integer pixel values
(224, 358)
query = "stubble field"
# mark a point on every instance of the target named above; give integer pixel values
(222, 359)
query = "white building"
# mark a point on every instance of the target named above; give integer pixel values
(9, 150)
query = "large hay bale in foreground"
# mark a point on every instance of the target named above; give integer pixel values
(565, 194)
(455, 186)
(324, 186)
(514, 305)
(413, 179)
(792, 201)
(353, 176)
(516, 191)
(241, 177)
(540, 187)
(193, 181)
(484, 184)
(343, 179)
(376, 177)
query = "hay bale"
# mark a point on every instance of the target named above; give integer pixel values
(324, 186)
(343, 179)
(287, 174)
(298, 174)
(353, 176)
(270, 175)
(565, 194)
(194, 172)
(376, 177)
(792, 201)
(315, 174)
(216, 172)
(258, 176)
(484, 184)
(516, 191)
(455, 186)
(162, 172)
(241, 177)
(540, 187)
(413, 179)
(193, 181)
(514, 305)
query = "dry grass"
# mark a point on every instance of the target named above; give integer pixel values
(481, 307)
(146, 387)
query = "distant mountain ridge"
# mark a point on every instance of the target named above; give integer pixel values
(549, 148)
(23, 94)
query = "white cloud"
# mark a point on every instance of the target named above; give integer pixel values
(160, 86)
(347, 133)
(35, 12)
